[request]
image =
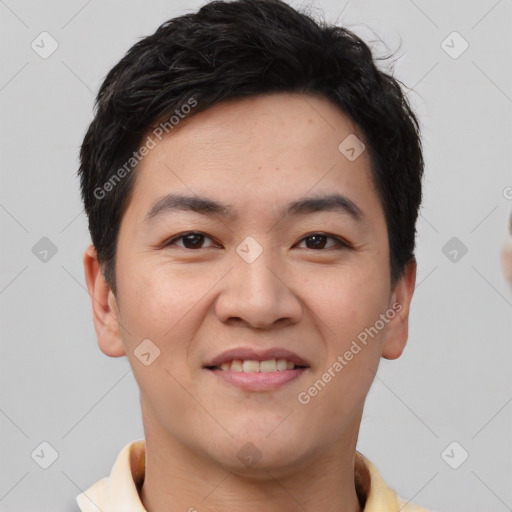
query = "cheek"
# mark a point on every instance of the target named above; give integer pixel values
(348, 304)
(334, 399)
(349, 309)
(155, 315)
(156, 302)
(165, 397)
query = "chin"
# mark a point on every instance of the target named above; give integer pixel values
(257, 454)
(257, 461)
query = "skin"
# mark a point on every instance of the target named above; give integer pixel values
(257, 155)
(506, 254)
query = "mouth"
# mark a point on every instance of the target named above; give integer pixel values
(251, 360)
(254, 366)
(257, 371)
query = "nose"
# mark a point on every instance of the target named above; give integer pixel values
(260, 294)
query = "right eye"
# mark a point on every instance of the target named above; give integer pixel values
(191, 240)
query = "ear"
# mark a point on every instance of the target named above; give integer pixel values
(398, 327)
(104, 307)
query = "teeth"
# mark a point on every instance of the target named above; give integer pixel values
(251, 366)
(268, 366)
(236, 365)
(282, 364)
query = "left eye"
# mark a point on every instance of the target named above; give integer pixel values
(319, 241)
(193, 240)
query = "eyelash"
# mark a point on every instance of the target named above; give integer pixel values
(341, 244)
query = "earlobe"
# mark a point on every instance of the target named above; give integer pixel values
(398, 328)
(104, 307)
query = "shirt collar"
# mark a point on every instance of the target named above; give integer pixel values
(120, 491)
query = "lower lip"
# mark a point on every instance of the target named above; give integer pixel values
(258, 381)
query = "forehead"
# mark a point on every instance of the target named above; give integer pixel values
(256, 153)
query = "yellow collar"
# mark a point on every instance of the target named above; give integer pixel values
(120, 491)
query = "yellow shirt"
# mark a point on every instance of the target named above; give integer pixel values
(120, 491)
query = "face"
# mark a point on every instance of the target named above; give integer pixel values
(255, 283)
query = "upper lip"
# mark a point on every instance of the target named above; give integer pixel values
(252, 354)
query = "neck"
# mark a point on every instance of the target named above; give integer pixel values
(179, 479)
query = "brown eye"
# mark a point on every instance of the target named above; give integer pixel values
(318, 241)
(191, 240)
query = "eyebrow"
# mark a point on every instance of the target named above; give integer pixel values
(210, 207)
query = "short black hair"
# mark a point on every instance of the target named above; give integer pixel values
(240, 49)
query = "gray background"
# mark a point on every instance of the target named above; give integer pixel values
(453, 382)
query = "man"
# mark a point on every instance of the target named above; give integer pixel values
(252, 183)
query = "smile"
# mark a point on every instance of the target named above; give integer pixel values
(257, 376)
(253, 366)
